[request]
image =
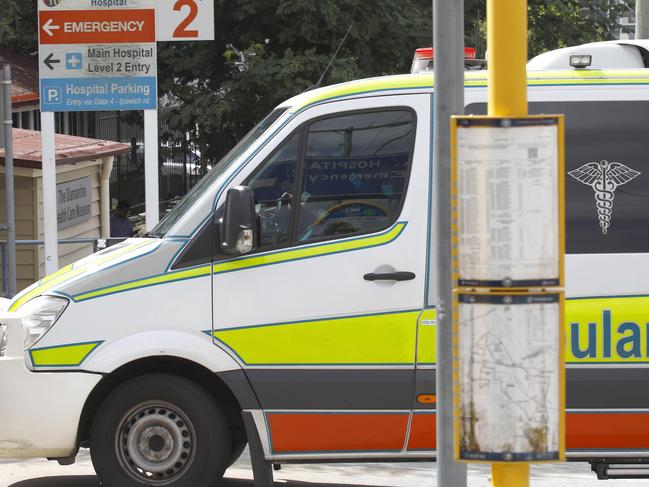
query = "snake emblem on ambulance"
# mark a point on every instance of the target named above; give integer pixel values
(604, 177)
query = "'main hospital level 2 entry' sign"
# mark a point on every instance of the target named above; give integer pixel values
(97, 55)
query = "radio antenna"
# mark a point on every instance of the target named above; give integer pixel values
(333, 58)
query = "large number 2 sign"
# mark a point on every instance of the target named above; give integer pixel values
(185, 20)
(182, 31)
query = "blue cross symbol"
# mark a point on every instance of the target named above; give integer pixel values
(73, 60)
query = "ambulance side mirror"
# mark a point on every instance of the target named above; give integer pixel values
(238, 226)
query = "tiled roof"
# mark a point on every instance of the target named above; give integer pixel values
(24, 74)
(69, 149)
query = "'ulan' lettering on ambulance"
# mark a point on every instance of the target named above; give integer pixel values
(612, 334)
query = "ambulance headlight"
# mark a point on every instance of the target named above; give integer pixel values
(40, 314)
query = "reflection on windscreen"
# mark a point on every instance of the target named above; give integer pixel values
(221, 167)
(355, 173)
(350, 178)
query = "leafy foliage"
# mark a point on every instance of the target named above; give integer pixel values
(554, 24)
(286, 45)
(18, 26)
(269, 50)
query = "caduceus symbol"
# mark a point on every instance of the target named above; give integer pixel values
(604, 177)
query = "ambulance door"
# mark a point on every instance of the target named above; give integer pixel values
(323, 314)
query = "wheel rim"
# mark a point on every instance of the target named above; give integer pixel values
(155, 443)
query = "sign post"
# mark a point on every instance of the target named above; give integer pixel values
(448, 100)
(151, 181)
(6, 141)
(509, 268)
(642, 19)
(101, 55)
(50, 230)
(92, 56)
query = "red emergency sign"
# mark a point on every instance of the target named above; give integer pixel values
(97, 26)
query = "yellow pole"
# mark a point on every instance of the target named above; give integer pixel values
(507, 56)
(514, 475)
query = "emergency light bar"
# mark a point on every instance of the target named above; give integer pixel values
(424, 59)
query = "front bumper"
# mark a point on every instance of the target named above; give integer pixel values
(39, 411)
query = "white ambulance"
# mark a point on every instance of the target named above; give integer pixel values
(285, 303)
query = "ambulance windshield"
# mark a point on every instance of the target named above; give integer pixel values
(221, 167)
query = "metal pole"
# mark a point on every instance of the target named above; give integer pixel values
(507, 43)
(5, 280)
(642, 19)
(151, 182)
(9, 182)
(50, 227)
(2, 114)
(448, 32)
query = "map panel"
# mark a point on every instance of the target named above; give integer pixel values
(508, 396)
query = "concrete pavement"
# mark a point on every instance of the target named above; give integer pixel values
(41, 473)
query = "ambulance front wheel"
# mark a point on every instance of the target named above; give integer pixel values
(160, 430)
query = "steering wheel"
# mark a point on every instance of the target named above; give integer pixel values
(274, 217)
(345, 227)
(272, 212)
(330, 211)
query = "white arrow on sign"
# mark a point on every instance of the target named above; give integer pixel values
(48, 27)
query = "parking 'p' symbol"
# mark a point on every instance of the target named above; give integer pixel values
(54, 95)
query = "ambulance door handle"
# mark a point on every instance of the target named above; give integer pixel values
(390, 276)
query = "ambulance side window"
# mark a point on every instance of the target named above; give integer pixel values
(274, 186)
(355, 173)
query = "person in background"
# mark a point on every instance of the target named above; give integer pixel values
(120, 226)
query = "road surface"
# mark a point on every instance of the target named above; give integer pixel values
(41, 473)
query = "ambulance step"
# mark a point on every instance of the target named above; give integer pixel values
(606, 471)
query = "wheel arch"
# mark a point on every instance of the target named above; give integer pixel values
(231, 389)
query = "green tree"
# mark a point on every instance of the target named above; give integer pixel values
(287, 44)
(18, 26)
(555, 23)
(214, 94)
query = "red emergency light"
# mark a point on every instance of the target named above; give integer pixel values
(424, 56)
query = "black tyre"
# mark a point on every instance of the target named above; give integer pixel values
(160, 430)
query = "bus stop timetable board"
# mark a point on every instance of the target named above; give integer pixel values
(508, 183)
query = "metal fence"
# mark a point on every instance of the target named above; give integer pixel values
(180, 162)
